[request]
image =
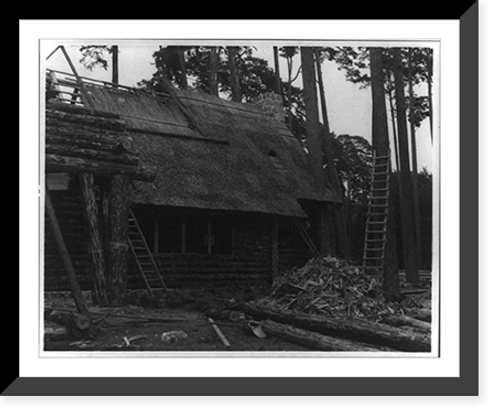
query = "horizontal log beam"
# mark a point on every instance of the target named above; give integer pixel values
(54, 106)
(402, 320)
(55, 117)
(58, 163)
(73, 133)
(345, 327)
(316, 341)
(93, 154)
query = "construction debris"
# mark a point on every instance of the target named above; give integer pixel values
(174, 336)
(330, 304)
(219, 333)
(317, 341)
(354, 329)
(329, 286)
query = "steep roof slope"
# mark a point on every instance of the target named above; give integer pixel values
(213, 153)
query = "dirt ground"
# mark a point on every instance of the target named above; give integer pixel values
(148, 319)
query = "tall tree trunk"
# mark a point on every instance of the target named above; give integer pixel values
(95, 247)
(339, 228)
(394, 130)
(324, 111)
(429, 73)
(380, 135)
(214, 64)
(235, 79)
(116, 213)
(347, 213)
(277, 70)
(114, 54)
(406, 207)
(315, 142)
(182, 65)
(289, 92)
(414, 172)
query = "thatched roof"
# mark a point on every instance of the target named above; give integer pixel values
(212, 153)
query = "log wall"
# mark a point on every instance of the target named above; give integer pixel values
(250, 261)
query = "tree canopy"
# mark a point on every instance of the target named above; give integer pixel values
(355, 63)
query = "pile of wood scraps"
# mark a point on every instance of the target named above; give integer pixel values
(332, 305)
(328, 286)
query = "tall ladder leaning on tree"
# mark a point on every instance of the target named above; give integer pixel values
(376, 222)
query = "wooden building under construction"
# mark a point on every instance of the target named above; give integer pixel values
(214, 191)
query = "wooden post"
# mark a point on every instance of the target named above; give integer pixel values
(68, 265)
(96, 251)
(114, 52)
(85, 94)
(116, 213)
(277, 70)
(156, 235)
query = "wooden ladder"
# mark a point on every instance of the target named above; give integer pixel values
(376, 222)
(143, 256)
(302, 226)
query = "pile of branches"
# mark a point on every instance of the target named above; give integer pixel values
(330, 286)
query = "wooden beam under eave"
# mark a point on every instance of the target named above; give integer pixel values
(59, 163)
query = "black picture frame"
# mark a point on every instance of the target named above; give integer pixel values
(465, 385)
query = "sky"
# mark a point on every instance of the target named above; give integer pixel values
(349, 107)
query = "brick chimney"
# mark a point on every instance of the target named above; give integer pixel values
(271, 105)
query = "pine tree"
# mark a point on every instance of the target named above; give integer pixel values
(406, 188)
(380, 135)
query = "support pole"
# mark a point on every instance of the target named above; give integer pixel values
(96, 250)
(68, 265)
(116, 207)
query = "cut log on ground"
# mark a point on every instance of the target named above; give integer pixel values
(70, 319)
(400, 320)
(54, 332)
(316, 341)
(345, 327)
(423, 314)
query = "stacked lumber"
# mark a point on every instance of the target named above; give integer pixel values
(79, 140)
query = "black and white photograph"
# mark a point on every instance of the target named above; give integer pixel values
(272, 198)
